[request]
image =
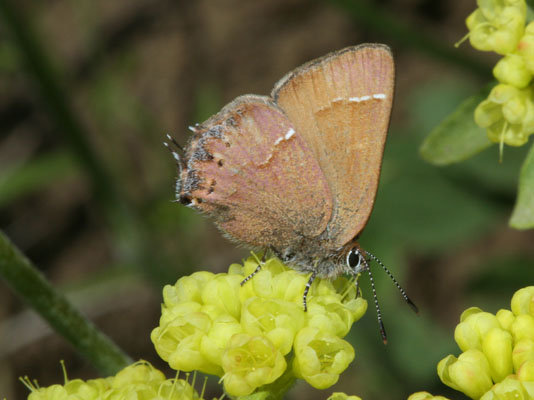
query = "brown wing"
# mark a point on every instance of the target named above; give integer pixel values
(341, 105)
(250, 169)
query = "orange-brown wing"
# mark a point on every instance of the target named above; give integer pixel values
(250, 169)
(341, 105)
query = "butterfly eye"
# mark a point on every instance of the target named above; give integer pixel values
(354, 260)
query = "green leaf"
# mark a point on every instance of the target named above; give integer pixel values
(523, 215)
(457, 138)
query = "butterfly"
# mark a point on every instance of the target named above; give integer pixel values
(297, 172)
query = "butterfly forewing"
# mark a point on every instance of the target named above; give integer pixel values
(341, 105)
(251, 170)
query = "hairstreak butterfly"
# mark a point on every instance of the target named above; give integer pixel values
(297, 172)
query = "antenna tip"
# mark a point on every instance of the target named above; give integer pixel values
(383, 332)
(413, 306)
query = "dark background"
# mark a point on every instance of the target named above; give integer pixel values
(105, 231)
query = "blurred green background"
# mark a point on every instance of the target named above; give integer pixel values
(86, 186)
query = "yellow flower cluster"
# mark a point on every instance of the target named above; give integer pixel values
(251, 334)
(508, 112)
(497, 25)
(140, 381)
(498, 352)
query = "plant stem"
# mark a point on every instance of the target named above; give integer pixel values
(19, 273)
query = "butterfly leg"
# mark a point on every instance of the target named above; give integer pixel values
(258, 268)
(307, 289)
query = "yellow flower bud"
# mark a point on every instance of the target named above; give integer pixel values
(525, 47)
(54, 392)
(526, 371)
(213, 312)
(274, 280)
(139, 372)
(319, 318)
(333, 289)
(335, 318)
(141, 381)
(236, 269)
(510, 388)
(169, 314)
(507, 114)
(357, 306)
(515, 110)
(342, 396)
(523, 327)
(529, 388)
(214, 343)
(469, 373)
(188, 288)
(289, 286)
(497, 347)
(488, 114)
(92, 389)
(505, 318)
(221, 292)
(320, 357)
(523, 351)
(178, 342)
(523, 301)
(470, 332)
(468, 312)
(276, 319)
(425, 396)
(512, 70)
(497, 25)
(250, 362)
(188, 356)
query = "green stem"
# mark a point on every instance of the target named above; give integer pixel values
(19, 273)
(375, 18)
(281, 386)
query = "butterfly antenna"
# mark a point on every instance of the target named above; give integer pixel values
(399, 287)
(378, 313)
(175, 149)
